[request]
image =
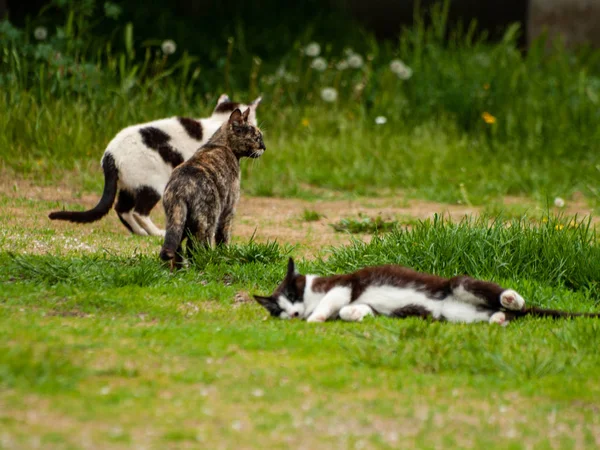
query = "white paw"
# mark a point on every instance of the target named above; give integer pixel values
(355, 313)
(314, 318)
(161, 233)
(512, 300)
(499, 318)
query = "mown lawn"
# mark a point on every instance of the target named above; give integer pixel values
(108, 349)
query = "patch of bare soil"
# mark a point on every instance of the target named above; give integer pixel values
(266, 219)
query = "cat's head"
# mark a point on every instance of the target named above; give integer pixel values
(245, 139)
(225, 106)
(287, 302)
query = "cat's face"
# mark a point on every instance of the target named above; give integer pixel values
(225, 106)
(287, 302)
(244, 138)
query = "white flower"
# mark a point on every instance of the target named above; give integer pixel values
(313, 49)
(355, 61)
(40, 33)
(319, 64)
(329, 94)
(380, 120)
(559, 202)
(168, 47)
(342, 65)
(402, 70)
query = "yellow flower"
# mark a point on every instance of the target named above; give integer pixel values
(572, 223)
(488, 118)
(545, 220)
(305, 122)
(486, 86)
(560, 226)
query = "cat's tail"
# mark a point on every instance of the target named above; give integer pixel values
(175, 225)
(540, 312)
(111, 176)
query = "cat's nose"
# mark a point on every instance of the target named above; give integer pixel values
(295, 314)
(261, 145)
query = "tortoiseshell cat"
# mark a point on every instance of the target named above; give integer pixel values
(202, 194)
(397, 291)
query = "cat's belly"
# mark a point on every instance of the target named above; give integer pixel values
(388, 299)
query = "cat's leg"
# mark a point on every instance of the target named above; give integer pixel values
(200, 236)
(146, 199)
(500, 318)
(331, 304)
(355, 313)
(223, 233)
(512, 300)
(124, 207)
(484, 293)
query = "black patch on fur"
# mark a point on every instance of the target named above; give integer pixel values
(159, 140)
(125, 203)
(146, 198)
(227, 107)
(192, 127)
(411, 311)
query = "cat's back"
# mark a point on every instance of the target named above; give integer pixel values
(183, 135)
(215, 163)
(398, 276)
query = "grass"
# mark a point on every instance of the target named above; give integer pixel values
(100, 343)
(364, 224)
(89, 336)
(309, 215)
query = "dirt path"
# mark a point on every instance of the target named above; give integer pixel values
(281, 219)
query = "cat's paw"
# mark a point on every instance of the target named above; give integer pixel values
(512, 300)
(355, 313)
(499, 318)
(314, 318)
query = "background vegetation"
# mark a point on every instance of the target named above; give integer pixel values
(465, 119)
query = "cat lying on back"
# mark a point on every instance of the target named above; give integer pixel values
(139, 160)
(396, 291)
(202, 194)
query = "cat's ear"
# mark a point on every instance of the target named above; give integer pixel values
(223, 98)
(246, 115)
(236, 119)
(291, 269)
(264, 301)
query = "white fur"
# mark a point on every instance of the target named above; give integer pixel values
(465, 296)
(140, 166)
(512, 300)
(386, 299)
(499, 318)
(355, 313)
(330, 304)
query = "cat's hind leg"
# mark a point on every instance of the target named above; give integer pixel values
(512, 300)
(124, 208)
(146, 199)
(355, 313)
(484, 293)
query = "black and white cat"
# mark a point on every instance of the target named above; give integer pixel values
(138, 162)
(397, 291)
